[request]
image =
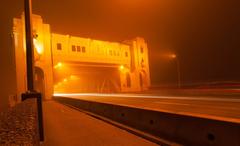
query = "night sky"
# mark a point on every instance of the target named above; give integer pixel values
(205, 34)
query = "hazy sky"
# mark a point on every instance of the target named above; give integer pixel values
(205, 34)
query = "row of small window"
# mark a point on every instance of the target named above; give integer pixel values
(74, 48)
(114, 53)
(83, 50)
(78, 49)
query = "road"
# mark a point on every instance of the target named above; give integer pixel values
(210, 107)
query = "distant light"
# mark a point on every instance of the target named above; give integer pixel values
(38, 46)
(173, 56)
(58, 65)
(65, 80)
(121, 67)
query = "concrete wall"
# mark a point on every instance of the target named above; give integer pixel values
(186, 130)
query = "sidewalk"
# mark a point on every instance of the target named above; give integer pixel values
(68, 127)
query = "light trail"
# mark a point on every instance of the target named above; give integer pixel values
(75, 95)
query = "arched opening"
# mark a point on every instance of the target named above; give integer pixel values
(74, 78)
(39, 81)
(109, 86)
(128, 79)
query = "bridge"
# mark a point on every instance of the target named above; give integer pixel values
(65, 63)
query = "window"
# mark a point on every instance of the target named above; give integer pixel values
(83, 49)
(126, 54)
(78, 49)
(141, 49)
(73, 48)
(59, 46)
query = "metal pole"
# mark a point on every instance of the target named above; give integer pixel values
(30, 66)
(178, 72)
(29, 45)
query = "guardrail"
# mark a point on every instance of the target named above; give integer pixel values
(185, 130)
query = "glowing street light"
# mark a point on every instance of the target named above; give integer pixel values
(58, 65)
(121, 67)
(38, 46)
(173, 56)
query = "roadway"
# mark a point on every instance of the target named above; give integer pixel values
(224, 108)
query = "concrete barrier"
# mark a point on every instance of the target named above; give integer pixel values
(19, 125)
(186, 130)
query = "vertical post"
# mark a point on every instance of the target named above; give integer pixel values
(178, 72)
(40, 116)
(30, 66)
(29, 45)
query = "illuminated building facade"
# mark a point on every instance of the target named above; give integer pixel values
(65, 63)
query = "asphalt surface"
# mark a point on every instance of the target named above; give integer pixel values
(65, 126)
(224, 108)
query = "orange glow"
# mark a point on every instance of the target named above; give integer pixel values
(58, 65)
(65, 80)
(72, 77)
(38, 46)
(173, 56)
(121, 67)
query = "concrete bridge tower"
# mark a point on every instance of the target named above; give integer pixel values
(100, 66)
(42, 50)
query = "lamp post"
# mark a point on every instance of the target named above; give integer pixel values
(174, 56)
(29, 45)
(31, 93)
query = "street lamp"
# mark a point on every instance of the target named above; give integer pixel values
(58, 65)
(31, 93)
(121, 67)
(175, 57)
